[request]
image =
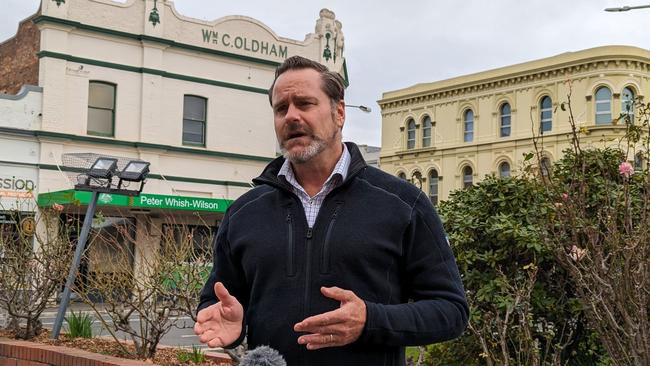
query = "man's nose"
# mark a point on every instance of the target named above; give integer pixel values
(293, 114)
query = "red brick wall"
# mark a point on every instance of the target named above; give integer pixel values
(18, 60)
(18, 353)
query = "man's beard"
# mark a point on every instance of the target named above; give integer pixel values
(315, 147)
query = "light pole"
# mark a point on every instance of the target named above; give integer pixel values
(626, 8)
(98, 180)
(362, 108)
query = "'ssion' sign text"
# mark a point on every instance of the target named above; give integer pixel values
(16, 187)
(243, 43)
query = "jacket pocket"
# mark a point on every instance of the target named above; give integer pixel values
(325, 256)
(291, 247)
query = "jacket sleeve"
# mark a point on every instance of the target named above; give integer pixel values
(437, 309)
(226, 271)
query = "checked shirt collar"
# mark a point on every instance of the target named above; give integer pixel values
(312, 205)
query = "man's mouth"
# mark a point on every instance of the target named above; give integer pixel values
(295, 135)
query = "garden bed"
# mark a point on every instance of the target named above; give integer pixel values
(165, 356)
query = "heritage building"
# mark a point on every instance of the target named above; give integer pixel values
(137, 80)
(449, 134)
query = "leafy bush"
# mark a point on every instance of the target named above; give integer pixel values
(522, 306)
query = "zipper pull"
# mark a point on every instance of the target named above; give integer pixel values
(309, 233)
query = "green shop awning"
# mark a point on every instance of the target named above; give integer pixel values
(144, 200)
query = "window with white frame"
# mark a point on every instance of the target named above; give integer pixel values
(426, 131)
(627, 103)
(506, 120)
(545, 114)
(504, 170)
(603, 106)
(468, 126)
(410, 134)
(433, 186)
(101, 108)
(194, 120)
(468, 177)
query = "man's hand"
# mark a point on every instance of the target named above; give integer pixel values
(335, 328)
(220, 324)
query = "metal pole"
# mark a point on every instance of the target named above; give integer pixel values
(81, 245)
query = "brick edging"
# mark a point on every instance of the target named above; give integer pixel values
(17, 352)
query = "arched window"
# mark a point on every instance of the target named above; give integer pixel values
(468, 126)
(603, 106)
(545, 114)
(410, 134)
(545, 166)
(468, 177)
(504, 170)
(426, 131)
(433, 186)
(627, 102)
(101, 108)
(401, 175)
(505, 120)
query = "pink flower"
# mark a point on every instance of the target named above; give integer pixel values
(626, 169)
(577, 253)
(565, 196)
(57, 207)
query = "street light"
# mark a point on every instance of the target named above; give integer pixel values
(362, 108)
(626, 8)
(98, 179)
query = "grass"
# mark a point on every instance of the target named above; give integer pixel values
(80, 325)
(195, 356)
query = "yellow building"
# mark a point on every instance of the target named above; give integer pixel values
(448, 134)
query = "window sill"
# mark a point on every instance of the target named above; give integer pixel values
(100, 134)
(190, 144)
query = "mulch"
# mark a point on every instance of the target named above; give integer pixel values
(166, 356)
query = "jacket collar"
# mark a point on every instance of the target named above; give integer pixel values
(270, 173)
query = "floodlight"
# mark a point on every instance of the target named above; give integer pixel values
(135, 171)
(103, 168)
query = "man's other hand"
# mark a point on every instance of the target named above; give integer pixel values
(335, 328)
(220, 324)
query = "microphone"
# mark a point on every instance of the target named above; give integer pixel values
(263, 356)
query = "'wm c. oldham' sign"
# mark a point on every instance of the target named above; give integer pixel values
(244, 43)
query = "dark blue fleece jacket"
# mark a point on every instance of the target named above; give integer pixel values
(375, 235)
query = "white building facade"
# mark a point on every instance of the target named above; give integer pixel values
(139, 81)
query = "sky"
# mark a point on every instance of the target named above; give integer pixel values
(392, 44)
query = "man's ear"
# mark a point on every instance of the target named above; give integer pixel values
(340, 114)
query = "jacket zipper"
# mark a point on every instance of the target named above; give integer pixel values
(308, 271)
(325, 259)
(291, 257)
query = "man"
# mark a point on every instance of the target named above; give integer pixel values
(327, 260)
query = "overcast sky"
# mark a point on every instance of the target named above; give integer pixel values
(392, 44)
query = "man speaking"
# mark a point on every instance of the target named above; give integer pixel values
(327, 260)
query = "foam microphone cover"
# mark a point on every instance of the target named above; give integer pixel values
(262, 356)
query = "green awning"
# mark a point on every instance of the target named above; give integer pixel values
(144, 200)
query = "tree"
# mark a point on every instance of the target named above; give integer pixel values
(600, 234)
(32, 269)
(146, 300)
